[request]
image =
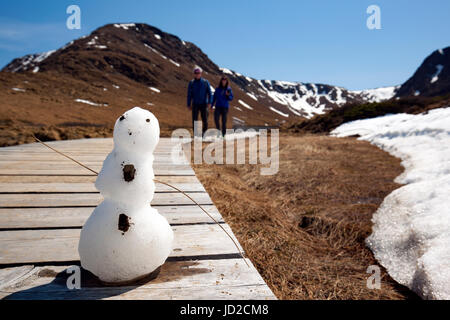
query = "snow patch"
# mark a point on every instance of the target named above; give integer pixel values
(251, 95)
(175, 63)
(157, 36)
(411, 231)
(151, 48)
(238, 120)
(155, 89)
(91, 103)
(242, 103)
(125, 26)
(279, 112)
(93, 43)
(42, 56)
(227, 71)
(378, 94)
(18, 89)
(435, 76)
(30, 61)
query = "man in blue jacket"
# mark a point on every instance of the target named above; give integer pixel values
(199, 98)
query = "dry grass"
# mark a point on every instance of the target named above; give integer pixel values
(304, 228)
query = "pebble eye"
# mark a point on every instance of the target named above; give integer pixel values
(148, 120)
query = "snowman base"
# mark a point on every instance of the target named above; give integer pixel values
(137, 281)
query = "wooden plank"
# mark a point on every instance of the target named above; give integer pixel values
(106, 142)
(193, 280)
(73, 170)
(22, 184)
(68, 147)
(31, 161)
(88, 152)
(91, 199)
(88, 149)
(92, 141)
(165, 144)
(34, 218)
(161, 172)
(6, 166)
(84, 179)
(23, 156)
(84, 187)
(8, 276)
(34, 246)
(236, 292)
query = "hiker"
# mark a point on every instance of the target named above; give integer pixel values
(199, 98)
(221, 101)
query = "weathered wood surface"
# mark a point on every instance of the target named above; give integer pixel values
(45, 199)
(187, 280)
(62, 184)
(159, 171)
(36, 246)
(42, 218)
(26, 200)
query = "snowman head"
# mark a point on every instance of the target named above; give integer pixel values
(137, 130)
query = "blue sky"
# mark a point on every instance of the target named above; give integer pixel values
(293, 40)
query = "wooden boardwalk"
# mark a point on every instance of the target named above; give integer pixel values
(45, 200)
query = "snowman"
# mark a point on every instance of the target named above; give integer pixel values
(125, 239)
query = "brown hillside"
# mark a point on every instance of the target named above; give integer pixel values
(114, 68)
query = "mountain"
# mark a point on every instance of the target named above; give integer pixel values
(427, 89)
(90, 81)
(306, 99)
(432, 78)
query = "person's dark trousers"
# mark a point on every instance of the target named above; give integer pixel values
(203, 110)
(221, 112)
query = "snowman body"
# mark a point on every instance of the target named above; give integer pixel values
(127, 177)
(125, 238)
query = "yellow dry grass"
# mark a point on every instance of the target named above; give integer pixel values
(304, 228)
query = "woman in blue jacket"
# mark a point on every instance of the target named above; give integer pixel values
(222, 97)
